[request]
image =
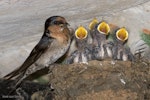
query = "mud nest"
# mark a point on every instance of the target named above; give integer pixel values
(97, 80)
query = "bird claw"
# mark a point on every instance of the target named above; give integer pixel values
(84, 63)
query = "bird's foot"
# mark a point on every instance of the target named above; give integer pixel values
(84, 63)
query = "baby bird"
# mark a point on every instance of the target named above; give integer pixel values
(120, 51)
(99, 33)
(92, 24)
(82, 54)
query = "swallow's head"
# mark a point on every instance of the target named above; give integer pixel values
(55, 21)
(56, 24)
(122, 34)
(103, 28)
(81, 33)
(93, 23)
(57, 27)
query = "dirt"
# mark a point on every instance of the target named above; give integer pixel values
(102, 80)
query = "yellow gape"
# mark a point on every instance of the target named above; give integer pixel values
(122, 34)
(81, 33)
(93, 23)
(103, 28)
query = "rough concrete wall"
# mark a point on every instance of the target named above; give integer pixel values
(22, 22)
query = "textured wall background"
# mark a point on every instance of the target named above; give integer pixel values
(22, 22)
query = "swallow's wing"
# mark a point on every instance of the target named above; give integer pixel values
(38, 50)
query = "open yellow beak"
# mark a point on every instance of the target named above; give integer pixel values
(122, 34)
(81, 33)
(93, 23)
(103, 28)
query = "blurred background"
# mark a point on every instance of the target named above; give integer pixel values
(22, 23)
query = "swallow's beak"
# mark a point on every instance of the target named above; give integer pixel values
(62, 27)
(64, 24)
(122, 34)
(81, 33)
(67, 24)
(93, 23)
(103, 28)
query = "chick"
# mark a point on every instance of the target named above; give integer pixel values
(120, 50)
(101, 46)
(82, 54)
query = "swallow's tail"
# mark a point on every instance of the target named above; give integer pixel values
(13, 74)
(17, 82)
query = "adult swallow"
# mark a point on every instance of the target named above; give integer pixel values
(120, 51)
(82, 54)
(101, 46)
(53, 45)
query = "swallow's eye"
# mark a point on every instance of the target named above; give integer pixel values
(57, 23)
